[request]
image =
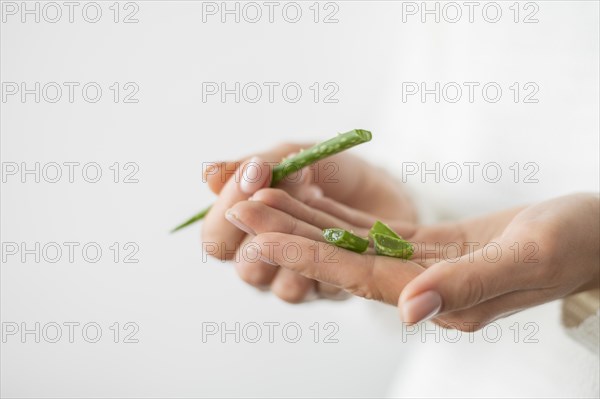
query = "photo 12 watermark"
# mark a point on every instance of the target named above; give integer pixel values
(470, 172)
(70, 12)
(70, 92)
(489, 92)
(471, 332)
(69, 172)
(53, 332)
(453, 12)
(475, 252)
(69, 252)
(253, 332)
(289, 92)
(270, 12)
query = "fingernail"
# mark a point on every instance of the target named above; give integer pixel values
(252, 250)
(234, 220)
(254, 176)
(421, 307)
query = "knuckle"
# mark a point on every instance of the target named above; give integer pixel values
(363, 292)
(254, 274)
(292, 226)
(291, 290)
(367, 287)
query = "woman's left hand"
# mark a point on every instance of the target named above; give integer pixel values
(517, 259)
(503, 263)
(288, 233)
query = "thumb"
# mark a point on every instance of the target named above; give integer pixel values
(455, 284)
(216, 174)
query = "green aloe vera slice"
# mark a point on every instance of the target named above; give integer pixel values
(391, 246)
(345, 239)
(384, 229)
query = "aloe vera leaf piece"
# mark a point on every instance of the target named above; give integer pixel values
(345, 239)
(304, 158)
(382, 228)
(318, 152)
(391, 246)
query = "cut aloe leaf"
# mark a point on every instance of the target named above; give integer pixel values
(392, 246)
(345, 239)
(384, 229)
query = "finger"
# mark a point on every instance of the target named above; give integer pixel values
(249, 178)
(372, 277)
(284, 202)
(216, 174)
(254, 272)
(474, 278)
(288, 285)
(254, 217)
(293, 287)
(479, 316)
(350, 215)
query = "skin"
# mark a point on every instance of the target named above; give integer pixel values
(557, 240)
(559, 255)
(335, 187)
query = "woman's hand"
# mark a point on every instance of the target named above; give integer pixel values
(510, 261)
(289, 233)
(464, 274)
(342, 176)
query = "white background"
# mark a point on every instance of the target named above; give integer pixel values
(171, 131)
